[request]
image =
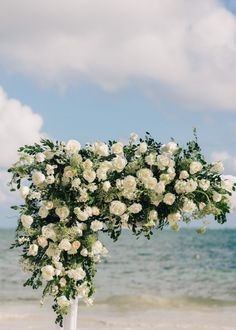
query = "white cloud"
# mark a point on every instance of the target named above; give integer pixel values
(186, 48)
(19, 125)
(228, 160)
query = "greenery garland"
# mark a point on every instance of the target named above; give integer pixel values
(71, 193)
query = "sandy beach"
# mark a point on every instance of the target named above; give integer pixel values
(30, 316)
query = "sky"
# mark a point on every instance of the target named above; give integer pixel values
(98, 70)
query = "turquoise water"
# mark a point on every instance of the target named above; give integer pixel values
(170, 269)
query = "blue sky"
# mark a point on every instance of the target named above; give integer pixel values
(103, 95)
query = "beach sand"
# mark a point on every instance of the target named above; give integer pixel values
(30, 316)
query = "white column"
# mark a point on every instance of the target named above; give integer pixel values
(70, 320)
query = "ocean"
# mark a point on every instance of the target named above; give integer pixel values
(172, 269)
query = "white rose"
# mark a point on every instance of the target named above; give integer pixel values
(76, 183)
(48, 272)
(101, 149)
(135, 208)
(89, 175)
(65, 245)
(189, 206)
(26, 220)
(49, 154)
(40, 157)
(69, 172)
(217, 167)
(119, 163)
(216, 197)
(35, 195)
(204, 184)
(97, 247)
(62, 301)
(151, 183)
(169, 199)
(95, 210)
(169, 148)
(33, 250)
(133, 137)
(76, 274)
(160, 187)
(144, 173)
(84, 252)
(42, 241)
(101, 174)
(62, 212)
(183, 175)
(53, 251)
(174, 217)
(43, 212)
(117, 208)
(49, 232)
(50, 179)
(38, 178)
(48, 204)
(142, 148)
(153, 215)
(190, 186)
(129, 183)
(50, 169)
(87, 164)
(227, 184)
(96, 225)
(195, 167)
(24, 191)
(62, 282)
(163, 161)
(151, 159)
(117, 148)
(73, 146)
(81, 215)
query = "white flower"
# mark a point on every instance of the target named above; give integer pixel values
(151, 159)
(50, 169)
(119, 163)
(163, 161)
(135, 208)
(101, 149)
(48, 272)
(142, 148)
(190, 186)
(49, 232)
(50, 179)
(204, 184)
(62, 301)
(40, 157)
(87, 164)
(62, 212)
(38, 178)
(117, 148)
(84, 252)
(160, 187)
(83, 290)
(95, 210)
(69, 172)
(133, 137)
(189, 206)
(35, 195)
(76, 274)
(144, 173)
(183, 175)
(201, 206)
(42, 241)
(217, 167)
(33, 250)
(53, 251)
(73, 146)
(97, 247)
(153, 215)
(81, 215)
(49, 154)
(96, 225)
(169, 198)
(48, 204)
(180, 186)
(89, 175)
(151, 183)
(195, 167)
(227, 184)
(62, 282)
(26, 220)
(76, 183)
(117, 208)
(43, 212)
(174, 217)
(24, 191)
(169, 148)
(65, 245)
(129, 183)
(216, 197)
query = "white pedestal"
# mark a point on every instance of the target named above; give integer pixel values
(70, 320)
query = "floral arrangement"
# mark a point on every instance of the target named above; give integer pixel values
(71, 193)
